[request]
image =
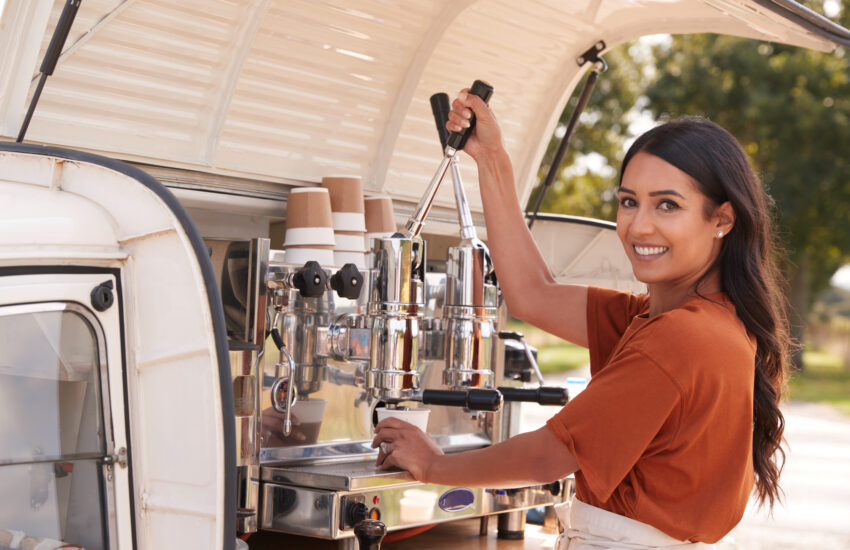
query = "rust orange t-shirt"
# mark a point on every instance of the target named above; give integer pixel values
(663, 432)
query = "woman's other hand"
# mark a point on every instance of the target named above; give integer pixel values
(486, 137)
(403, 445)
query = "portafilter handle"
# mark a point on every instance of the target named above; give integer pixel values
(542, 395)
(370, 533)
(474, 399)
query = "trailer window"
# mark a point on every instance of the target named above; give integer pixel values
(52, 437)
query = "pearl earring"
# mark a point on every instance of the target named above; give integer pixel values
(720, 234)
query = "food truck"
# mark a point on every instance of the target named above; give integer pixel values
(188, 353)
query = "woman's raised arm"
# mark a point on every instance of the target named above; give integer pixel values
(530, 291)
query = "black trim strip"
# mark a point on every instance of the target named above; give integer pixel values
(808, 19)
(216, 310)
(577, 220)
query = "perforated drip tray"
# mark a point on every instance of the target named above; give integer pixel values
(336, 476)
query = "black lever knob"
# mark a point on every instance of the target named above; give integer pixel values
(543, 395)
(554, 488)
(510, 335)
(347, 282)
(370, 533)
(310, 280)
(440, 106)
(458, 139)
(473, 399)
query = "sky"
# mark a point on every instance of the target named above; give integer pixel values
(842, 277)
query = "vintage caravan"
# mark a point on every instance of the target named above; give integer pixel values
(170, 376)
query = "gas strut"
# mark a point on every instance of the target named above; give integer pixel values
(599, 66)
(454, 144)
(51, 57)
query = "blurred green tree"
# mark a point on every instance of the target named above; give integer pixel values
(790, 108)
(586, 183)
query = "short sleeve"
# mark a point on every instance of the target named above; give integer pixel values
(612, 423)
(609, 313)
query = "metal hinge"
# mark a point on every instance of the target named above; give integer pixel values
(119, 458)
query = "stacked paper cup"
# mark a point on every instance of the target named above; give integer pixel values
(309, 227)
(346, 194)
(380, 220)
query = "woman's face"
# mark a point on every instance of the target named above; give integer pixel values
(662, 225)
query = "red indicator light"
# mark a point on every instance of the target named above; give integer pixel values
(376, 500)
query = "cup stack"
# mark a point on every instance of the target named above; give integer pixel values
(349, 223)
(309, 227)
(380, 218)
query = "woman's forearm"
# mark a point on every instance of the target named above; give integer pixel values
(531, 458)
(530, 291)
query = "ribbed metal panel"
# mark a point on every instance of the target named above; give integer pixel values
(292, 90)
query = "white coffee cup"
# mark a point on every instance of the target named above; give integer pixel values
(300, 256)
(417, 417)
(342, 257)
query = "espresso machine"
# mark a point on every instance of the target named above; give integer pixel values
(329, 346)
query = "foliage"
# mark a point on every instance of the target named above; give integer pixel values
(822, 381)
(601, 132)
(790, 108)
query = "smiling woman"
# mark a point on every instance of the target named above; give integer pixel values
(706, 347)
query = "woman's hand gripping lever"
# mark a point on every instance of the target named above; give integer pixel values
(454, 143)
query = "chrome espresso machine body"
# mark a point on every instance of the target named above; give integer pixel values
(338, 344)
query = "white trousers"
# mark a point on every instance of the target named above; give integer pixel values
(587, 527)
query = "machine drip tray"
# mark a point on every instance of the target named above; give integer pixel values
(336, 476)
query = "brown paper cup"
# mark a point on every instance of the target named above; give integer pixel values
(308, 207)
(379, 215)
(346, 193)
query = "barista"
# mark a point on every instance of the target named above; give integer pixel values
(680, 421)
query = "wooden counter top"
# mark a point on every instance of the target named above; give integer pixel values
(462, 534)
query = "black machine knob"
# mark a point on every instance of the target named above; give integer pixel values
(543, 395)
(347, 282)
(310, 280)
(370, 533)
(554, 488)
(473, 399)
(458, 139)
(356, 513)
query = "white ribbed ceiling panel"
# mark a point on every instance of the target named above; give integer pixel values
(292, 90)
(143, 84)
(319, 85)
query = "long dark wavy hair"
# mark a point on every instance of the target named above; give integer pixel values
(751, 279)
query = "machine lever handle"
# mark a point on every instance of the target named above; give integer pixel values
(440, 106)
(543, 395)
(473, 399)
(458, 139)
